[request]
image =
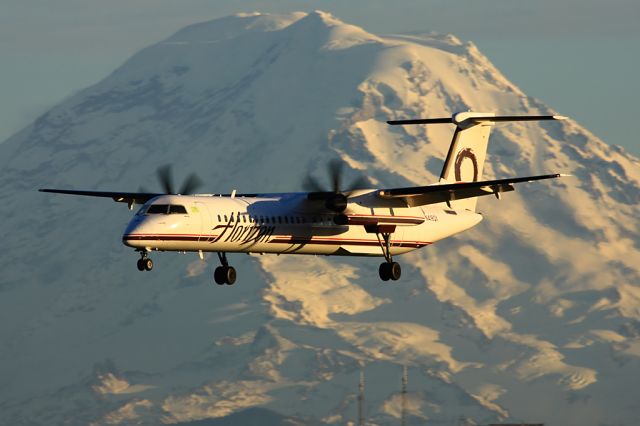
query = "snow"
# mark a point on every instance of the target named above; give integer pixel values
(215, 400)
(539, 302)
(331, 293)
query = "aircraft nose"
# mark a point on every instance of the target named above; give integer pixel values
(135, 233)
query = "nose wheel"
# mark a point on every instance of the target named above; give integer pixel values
(224, 274)
(144, 263)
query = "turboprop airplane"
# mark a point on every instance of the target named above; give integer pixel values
(353, 222)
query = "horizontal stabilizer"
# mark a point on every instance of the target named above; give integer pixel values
(433, 194)
(447, 120)
(470, 118)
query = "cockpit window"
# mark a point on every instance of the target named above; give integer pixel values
(158, 209)
(177, 209)
(165, 209)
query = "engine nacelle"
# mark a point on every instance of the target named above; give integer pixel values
(337, 203)
(341, 219)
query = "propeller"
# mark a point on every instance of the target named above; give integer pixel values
(335, 198)
(165, 176)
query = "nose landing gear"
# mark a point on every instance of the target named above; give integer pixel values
(144, 263)
(224, 274)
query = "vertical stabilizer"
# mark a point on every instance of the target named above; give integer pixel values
(468, 149)
(467, 152)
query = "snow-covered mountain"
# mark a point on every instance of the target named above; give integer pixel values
(534, 315)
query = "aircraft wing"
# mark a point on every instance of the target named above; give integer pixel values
(121, 197)
(439, 193)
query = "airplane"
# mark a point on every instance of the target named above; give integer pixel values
(338, 222)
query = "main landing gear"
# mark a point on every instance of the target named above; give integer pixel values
(224, 274)
(389, 270)
(144, 263)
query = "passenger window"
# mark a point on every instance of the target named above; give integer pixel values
(279, 219)
(219, 218)
(177, 209)
(158, 209)
(244, 219)
(225, 217)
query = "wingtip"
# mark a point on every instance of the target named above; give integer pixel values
(564, 175)
(560, 117)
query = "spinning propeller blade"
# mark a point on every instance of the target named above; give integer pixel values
(192, 183)
(335, 197)
(165, 176)
(335, 174)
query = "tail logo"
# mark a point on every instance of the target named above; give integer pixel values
(463, 154)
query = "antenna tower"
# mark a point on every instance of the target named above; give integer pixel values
(361, 400)
(403, 396)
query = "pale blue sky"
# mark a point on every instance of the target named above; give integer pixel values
(581, 57)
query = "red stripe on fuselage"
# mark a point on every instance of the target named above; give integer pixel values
(166, 237)
(283, 239)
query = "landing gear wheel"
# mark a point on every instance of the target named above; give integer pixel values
(384, 271)
(390, 271)
(230, 275)
(225, 275)
(147, 263)
(144, 263)
(219, 275)
(395, 271)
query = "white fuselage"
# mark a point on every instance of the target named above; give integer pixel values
(284, 223)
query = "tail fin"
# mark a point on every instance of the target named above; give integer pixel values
(465, 159)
